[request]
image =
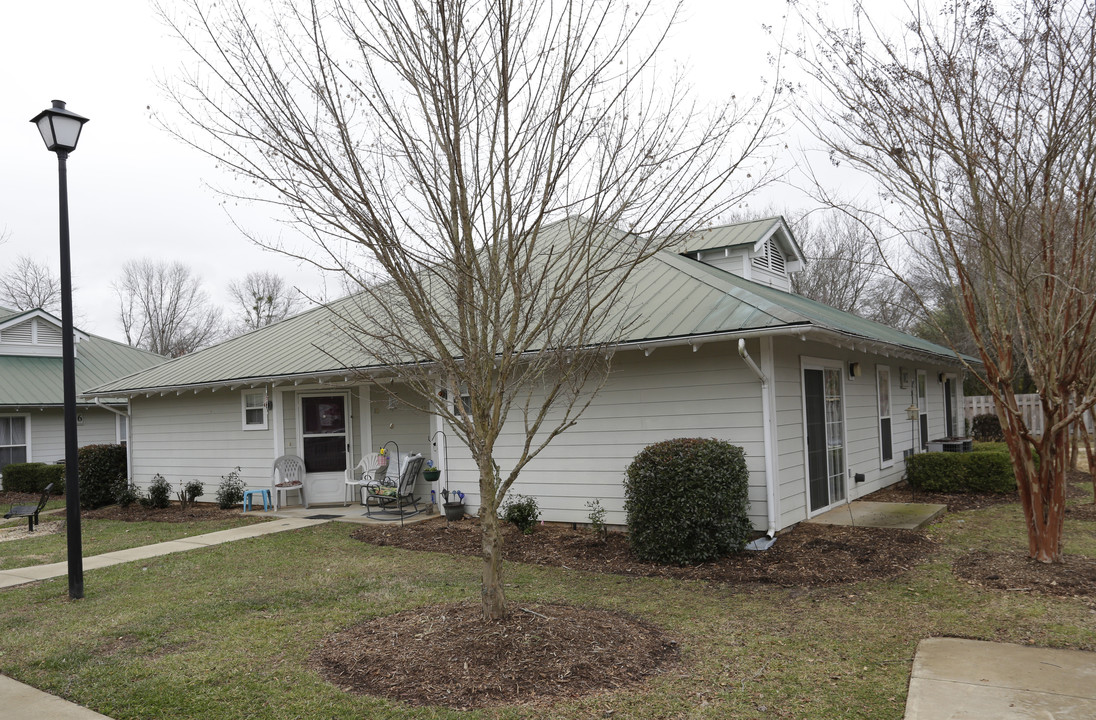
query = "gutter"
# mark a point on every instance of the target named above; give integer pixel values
(770, 459)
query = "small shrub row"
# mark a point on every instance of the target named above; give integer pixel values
(33, 477)
(986, 471)
(687, 501)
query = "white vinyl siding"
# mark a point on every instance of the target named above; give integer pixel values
(48, 445)
(670, 394)
(198, 437)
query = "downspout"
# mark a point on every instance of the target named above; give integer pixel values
(770, 459)
(129, 445)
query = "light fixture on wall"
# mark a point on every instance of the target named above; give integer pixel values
(854, 370)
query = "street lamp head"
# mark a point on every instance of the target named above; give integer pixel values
(60, 128)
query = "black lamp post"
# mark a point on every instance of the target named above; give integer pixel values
(60, 130)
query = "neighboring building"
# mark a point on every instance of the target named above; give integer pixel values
(817, 398)
(32, 418)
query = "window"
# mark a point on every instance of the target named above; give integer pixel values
(13, 440)
(886, 449)
(121, 428)
(254, 402)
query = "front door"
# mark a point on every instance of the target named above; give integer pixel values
(325, 445)
(825, 421)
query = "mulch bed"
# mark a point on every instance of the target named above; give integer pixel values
(1074, 576)
(174, 513)
(805, 556)
(447, 655)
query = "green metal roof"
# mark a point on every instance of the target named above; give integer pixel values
(27, 381)
(672, 297)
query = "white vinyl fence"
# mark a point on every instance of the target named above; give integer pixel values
(1029, 406)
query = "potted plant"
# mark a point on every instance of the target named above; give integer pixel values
(454, 508)
(430, 472)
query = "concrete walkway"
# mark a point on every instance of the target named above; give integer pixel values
(862, 513)
(955, 679)
(20, 576)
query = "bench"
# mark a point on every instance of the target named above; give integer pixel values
(30, 512)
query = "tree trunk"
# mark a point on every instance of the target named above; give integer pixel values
(493, 597)
(1042, 487)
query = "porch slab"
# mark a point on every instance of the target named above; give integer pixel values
(862, 513)
(339, 513)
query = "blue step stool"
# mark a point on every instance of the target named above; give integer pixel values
(248, 494)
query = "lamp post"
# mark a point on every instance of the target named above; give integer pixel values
(60, 129)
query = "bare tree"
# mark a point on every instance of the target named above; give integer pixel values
(434, 151)
(263, 298)
(29, 285)
(977, 127)
(164, 309)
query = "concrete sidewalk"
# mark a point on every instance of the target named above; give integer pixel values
(955, 679)
(22, 702)
(20, 576)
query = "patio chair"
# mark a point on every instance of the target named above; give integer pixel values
(390, 501)
(367, 472)
(287, 476)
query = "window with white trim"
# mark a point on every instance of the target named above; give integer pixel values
(13, 440)
(254, 408)
(886, 444)
(121, 428)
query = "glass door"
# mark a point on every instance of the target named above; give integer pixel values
(923, 407)
(825, 423)
(324, 433)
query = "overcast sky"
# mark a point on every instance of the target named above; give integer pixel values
(134, 191)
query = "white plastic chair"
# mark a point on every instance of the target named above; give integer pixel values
(364, 474)
(287, 476)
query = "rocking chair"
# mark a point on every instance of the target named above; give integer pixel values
(389, 501)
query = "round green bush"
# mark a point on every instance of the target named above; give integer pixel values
(102, 474)
(523, 512)
(687, 501)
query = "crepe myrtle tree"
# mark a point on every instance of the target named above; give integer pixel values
(485, 174)
(975, 122)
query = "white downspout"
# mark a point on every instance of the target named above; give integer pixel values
(766, 420)
(128, 415)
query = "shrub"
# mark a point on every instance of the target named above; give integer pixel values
(159, 493)
(231, 490)
(189, 492)
(523, 512)
(33, 477)
(597, 519)
(127, 495)
(687, 501)
(988, 471)
(103, 472)
(986, 428)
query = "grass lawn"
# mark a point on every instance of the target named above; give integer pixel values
(101, 536)
(225, 632)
